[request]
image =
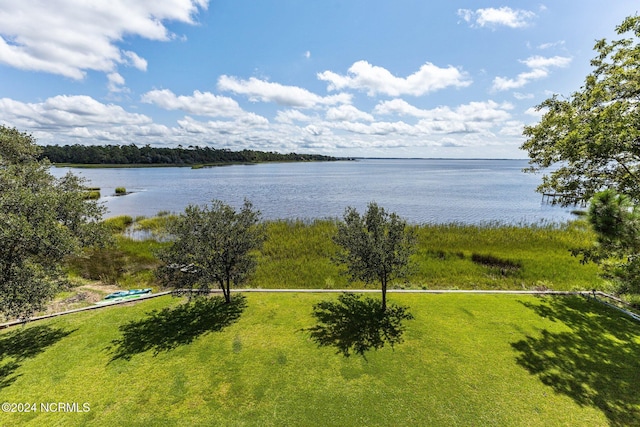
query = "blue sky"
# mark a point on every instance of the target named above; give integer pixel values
(402, 78)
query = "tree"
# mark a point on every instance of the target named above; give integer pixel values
(212, 245)
(594, 135)
(375, 246)
(43, 220)
(616, 221)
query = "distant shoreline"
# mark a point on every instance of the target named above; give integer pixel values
(184, 165)
(118, 156)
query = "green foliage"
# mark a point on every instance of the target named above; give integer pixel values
(212, 245)
(16, 147)
(354, 324)
(375, 246)
(133, 155)
(121, 190)
(617, 248)
(43, 220)
(593, 135)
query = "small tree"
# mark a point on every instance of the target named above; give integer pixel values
(375, 246)
(212, 246)
(43, 220)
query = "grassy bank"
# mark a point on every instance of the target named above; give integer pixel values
(297, 255)
(466, 360)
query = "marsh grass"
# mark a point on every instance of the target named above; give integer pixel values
(91, 195)
(129, 263)
(118, 224)
(298, 255)
(465, 360)
(120, 191)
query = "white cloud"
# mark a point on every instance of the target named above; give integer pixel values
(135, 60)
(539, 66)
(200, 103)
(291, 116)
(69, 37)
(373, 79)
(533, 111)
(67, 112)
(492, 17)
(471, 118)
(292, 96)
(489, 111)
(307, 54)
(116, 83)
(347, 113)
(512, 128)
(521, 96)
(544, 46)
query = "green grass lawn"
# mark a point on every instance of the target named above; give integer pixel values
(466, 360)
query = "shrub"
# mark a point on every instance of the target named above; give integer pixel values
(121, 190)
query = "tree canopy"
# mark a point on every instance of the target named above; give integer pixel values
(593, 136)
(212, 245)
(43, 220)
(375, 246)
(147, 155)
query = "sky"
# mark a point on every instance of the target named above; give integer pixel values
(365, 78)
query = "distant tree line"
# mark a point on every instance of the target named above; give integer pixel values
(132, 154)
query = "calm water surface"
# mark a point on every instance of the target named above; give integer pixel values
(420, 190)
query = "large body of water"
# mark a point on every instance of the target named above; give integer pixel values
(419, 190)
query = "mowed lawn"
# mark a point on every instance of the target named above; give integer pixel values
(481, 360)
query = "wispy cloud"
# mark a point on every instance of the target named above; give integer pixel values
(539, 69)
(378, 80)
(492, 17)
(545, 46)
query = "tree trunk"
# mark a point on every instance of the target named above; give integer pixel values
(227, 292)
(384, 294)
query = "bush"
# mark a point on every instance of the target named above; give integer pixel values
(121, 190)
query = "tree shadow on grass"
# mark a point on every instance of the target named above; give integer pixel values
(355, 325)
(24, 343)
(597, 363)
(169, 328)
